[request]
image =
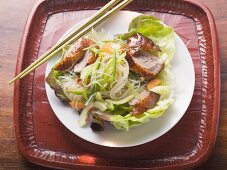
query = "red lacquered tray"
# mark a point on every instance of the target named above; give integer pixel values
(43, 140)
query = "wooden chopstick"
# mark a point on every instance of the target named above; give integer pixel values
(97, 15)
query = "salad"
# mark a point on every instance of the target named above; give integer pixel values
(125, 81)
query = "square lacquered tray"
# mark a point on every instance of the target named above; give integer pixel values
(41, 137)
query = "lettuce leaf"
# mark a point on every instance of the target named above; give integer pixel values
(129, 121)
(52, 80)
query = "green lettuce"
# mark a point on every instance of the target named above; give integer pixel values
(130, 121)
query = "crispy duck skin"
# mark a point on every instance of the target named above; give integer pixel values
(139, 42)
(74, 54)
(147, 101)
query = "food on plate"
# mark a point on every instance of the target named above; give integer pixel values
(124, 81)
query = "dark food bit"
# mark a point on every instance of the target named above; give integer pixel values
(97, 124)
(147, 101)
(75, 53)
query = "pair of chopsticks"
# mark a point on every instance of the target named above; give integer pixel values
(105, 12)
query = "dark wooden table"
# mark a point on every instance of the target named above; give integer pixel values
(13, 14)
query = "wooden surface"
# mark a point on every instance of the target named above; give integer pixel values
(13, 14)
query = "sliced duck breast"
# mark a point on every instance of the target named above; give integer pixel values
(141, 56)
(147, 101)
(73, 54)
(87, 59)
(145, 64)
